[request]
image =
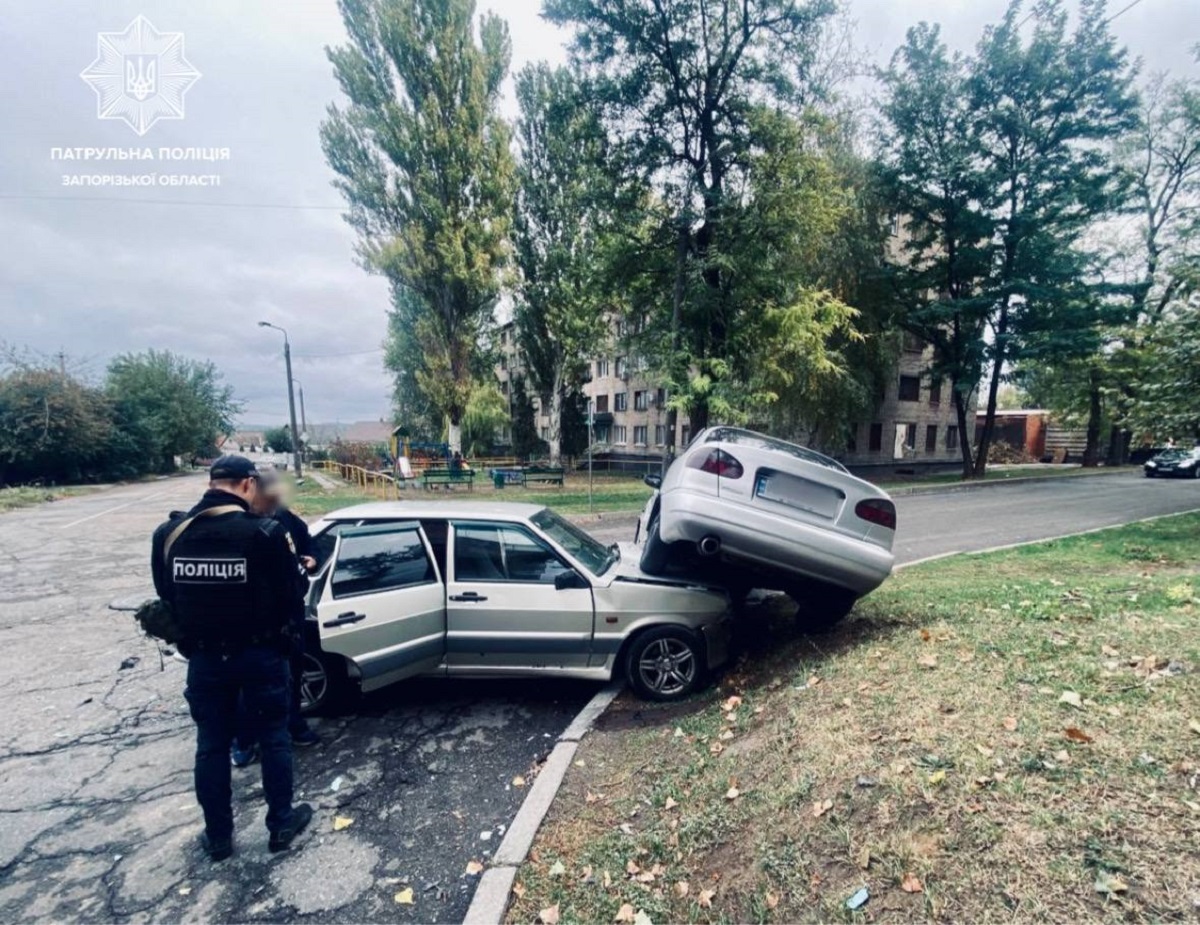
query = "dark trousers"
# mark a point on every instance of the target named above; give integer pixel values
(260, 677)
(246, 735)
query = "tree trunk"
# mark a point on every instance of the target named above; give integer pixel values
(455, 436)
(1091, 450)
(556, 404)
(989, 417)
(964, 444)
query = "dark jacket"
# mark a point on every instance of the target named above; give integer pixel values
(298, 530)
(232, 578)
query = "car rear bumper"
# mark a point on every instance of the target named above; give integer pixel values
(770, 542)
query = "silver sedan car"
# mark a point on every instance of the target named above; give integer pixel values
(764, 513)
(495, 589)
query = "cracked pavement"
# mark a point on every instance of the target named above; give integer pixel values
(98, 821)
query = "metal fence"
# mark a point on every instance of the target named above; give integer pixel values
(379, 484)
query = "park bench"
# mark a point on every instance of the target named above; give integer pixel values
(448, 477)
(549, 475)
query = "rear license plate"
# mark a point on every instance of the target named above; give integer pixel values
(799, 493)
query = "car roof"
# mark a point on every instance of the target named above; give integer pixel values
(415, 510)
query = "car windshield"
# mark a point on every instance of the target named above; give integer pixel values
(1174, 454)
(763, 442)
(595, 556)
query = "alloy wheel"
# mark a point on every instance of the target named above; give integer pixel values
(667, 666)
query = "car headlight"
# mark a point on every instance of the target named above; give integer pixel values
(1151, 464)
(1187, 464)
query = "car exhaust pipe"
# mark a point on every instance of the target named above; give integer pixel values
(709, 546)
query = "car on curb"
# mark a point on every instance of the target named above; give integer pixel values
(497, 590)
(1174, 463)
(753, 511)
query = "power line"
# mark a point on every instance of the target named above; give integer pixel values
(171, 202)
(1123, 10)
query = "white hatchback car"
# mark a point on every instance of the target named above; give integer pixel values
(764, 513)
(495, 589)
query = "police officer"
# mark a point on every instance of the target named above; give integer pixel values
(231, 578)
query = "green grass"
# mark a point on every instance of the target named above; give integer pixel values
(609, 494)
(928, 738)
(24, 495)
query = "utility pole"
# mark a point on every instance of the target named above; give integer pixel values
(62, 363)
(287, 360)
(303, 418)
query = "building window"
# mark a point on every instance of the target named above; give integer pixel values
(503, 361)
(910, 388)
(685, 435)
(602, 404)
(660, 397)
(618, 433)
(876, 443)
(913, 344)
(639, 435)
(504, 387)
(935, 391)
(601, 432)
(852, 439)
(545, 433)
(931, 438)
(601, 369)
(639, 400)
(910, 436)
(952, 437)
(622, 368)
(660, 435)
(894, 223)
(621, 401)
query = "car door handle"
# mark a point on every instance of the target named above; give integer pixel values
(343, 618)
(468, 597)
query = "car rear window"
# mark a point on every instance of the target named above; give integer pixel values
(762, 442)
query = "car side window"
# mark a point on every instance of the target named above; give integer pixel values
(494, 552)
(326, 540)
(368, 563)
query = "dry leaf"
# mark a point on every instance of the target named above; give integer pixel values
(1071, 699)
(342, 822)
(704, 900)
(670, 804)
(590, 797)
(985, 751)
(716, 748)
(726, 735)
(557, 869)
(982, 782)
(185, 890)
(678, 733)
(642, 918)
(549, 916)
(864, 858)
(772, 900)
(1010, 723)
(625, 914)
(631, 867)
(518, 781)
(732, 793)
(681, 889)
(518, 890)
(926, 635)
(1109, 651)
(1077, 735)
(474, 867)
(814, 681)
(910, 883)
(731, 703)
(1110, 883)
(1195, 727)
(937, 777)
(606, 880)
(927, 661)
(404, 897)
(821, 808)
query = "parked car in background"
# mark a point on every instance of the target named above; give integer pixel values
(764, 513)
(495, 589)
(1174, 463)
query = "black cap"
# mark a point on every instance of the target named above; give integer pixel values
(232, 468)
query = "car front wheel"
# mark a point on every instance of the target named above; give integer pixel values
(323, 683)
(665, 663)
(820, 606)
(656, 553)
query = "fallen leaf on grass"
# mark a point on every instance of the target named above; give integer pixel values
(632, 868)
(474, 867)
(557, 869)
(1195, 727)
(1109, 651)
(726, 735)
(732, 793)
(1010, 723)
(937, 777)
(678, 733)
(1110, 884)
(404, 897)
(704, 900)
(985, 751)
(772, 900)
(814, 681)
(549, 915)
(590, 797)
(1072, 699)
(518, 781)
(926, 635)
(927, 661)
(625, 914)
(731, 703)
(681, 889)
(642, 919)
(342, 822)
(1077, 735)
(716, 748)
(910, 883)
(670, 804)
(518, 890)
(864, 858)
(821, 808)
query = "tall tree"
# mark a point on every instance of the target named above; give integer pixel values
(679, 82)
(422, 158)
(1024, 175)
(563, 214)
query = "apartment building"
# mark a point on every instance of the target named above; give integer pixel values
(914, 423)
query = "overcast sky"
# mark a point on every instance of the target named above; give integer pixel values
(96, 272)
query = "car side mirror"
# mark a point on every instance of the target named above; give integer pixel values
(654, 481)
(565, 581)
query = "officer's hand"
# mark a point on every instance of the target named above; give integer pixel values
(309, 563)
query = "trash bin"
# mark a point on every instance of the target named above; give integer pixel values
(498, 478)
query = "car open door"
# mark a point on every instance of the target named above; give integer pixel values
(383, 606)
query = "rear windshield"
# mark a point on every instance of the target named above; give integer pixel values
(763, 442)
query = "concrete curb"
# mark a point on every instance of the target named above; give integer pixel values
(491, 895)
(954, 487)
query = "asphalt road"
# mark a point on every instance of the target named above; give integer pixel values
(97, 818)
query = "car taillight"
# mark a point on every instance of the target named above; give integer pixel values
(877, 511)
(718, 462)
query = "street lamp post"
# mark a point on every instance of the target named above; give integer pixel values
(287, 359)
(303, 417)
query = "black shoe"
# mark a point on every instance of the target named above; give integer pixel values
(302, 815)
(217, 851)
(305, 738)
